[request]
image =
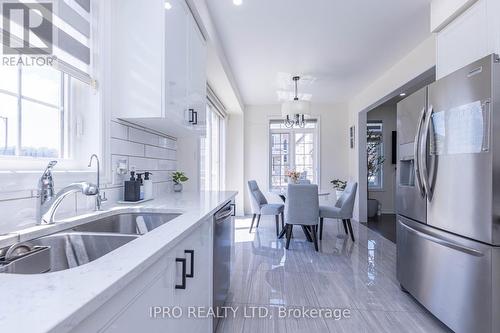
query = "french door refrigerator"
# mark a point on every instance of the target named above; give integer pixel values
(448, 197)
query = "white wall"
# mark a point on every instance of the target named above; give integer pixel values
(418, 61)
(386, 195)
(334, 143)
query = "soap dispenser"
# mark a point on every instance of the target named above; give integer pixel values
(141, 186)
(132, 188)
(148, 186)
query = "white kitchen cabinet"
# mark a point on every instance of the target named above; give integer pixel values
(197, 80)
(176, 58)
(469, 37)
(159, 80)
(130, 309)
(137, 315)
(136, 60)
(198, 292)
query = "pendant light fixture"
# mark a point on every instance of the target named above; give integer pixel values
(295, 111)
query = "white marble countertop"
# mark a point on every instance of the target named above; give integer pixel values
(58, 301)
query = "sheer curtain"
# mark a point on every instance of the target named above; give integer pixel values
(212, 148)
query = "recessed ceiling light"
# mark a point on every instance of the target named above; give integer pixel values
(402, 94)
(237, 2)
(168, 5)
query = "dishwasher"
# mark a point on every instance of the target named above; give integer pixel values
(223, 246)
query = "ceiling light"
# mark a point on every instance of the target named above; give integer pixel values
(168, 5)
(237, 2)
(402, 94)
(294, 111)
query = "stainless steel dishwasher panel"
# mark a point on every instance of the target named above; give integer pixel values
(223, 244)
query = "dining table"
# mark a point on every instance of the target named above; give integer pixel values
(306, 229)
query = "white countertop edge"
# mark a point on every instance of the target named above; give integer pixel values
(59, 301)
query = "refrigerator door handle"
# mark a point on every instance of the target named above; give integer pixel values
(441, 241)
(416, 153)
(423, 154)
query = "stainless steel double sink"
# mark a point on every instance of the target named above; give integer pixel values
(79, 245)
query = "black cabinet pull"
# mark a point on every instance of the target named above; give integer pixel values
(183, 284)
(191, 252)
(191, 115)
(195, 122)
(234, 209)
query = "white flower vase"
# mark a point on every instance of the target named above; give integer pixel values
(177, 187)
(339, 193)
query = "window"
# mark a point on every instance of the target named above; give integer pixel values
(375, 154)
(211, 151)
(293, 149)
(32, 112)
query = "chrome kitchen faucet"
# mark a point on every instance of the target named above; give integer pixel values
(48, 203)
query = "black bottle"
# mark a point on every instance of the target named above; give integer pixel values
(132, 188)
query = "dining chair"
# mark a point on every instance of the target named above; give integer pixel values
(303, 181)
(260, 206)
(302, 208)
(342, 210)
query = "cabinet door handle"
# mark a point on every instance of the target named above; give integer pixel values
(191, 115)
(195, 122)
(234, 209)
(191, 252)
(183, 284)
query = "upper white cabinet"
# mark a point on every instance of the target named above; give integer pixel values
(469, 37)
(197, 79)
(176, 58)
(158, 66)
(136, 62)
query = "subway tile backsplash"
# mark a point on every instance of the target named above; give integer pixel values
(138, 148)
(142, 150)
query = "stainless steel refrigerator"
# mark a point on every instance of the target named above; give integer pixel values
(448, 197)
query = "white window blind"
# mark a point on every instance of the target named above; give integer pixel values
(71, 35)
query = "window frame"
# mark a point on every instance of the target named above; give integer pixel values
(380, 151)
(316, 146)
(64, 114)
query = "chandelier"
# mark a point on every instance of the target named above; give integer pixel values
(295, 111)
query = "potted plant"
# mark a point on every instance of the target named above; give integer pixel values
(374, 163)
(338, 186)
(178, 177)
(293, 176)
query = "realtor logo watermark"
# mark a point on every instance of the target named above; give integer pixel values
(28, 33)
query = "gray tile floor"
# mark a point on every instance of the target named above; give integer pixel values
(358, 278)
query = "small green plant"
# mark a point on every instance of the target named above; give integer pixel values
(338, 184)
(179, 177)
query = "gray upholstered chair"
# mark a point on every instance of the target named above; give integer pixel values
(260, 206)
(304, 181)
(302, 208)
(342, 210)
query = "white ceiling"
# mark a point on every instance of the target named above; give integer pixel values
(340, 46)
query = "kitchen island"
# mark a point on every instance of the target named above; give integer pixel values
(116, 291)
